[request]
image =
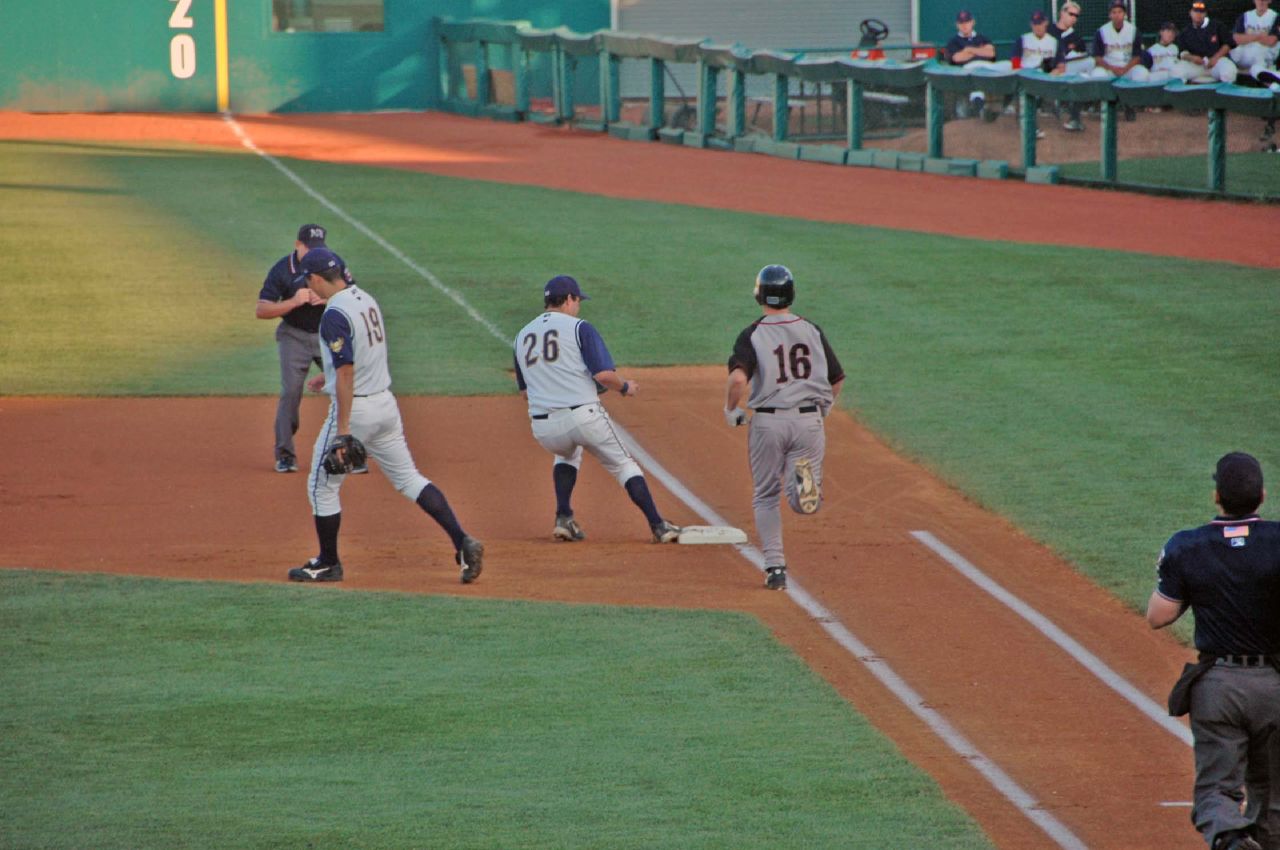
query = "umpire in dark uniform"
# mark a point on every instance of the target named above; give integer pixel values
(1228, 573)
(285, 296)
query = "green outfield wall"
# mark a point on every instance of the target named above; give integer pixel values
(164, 55)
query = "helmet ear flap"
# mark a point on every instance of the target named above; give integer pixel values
(759, 296)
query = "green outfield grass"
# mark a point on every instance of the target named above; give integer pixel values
(1085, 394)
(1253, 175)
(140, 713)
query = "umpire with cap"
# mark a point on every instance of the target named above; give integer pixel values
(285, 296)
(1228, 573)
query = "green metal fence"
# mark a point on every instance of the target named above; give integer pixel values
(725, 116)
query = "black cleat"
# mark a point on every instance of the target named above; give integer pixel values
(665, 532)
(567, 528)
(775, 578)
(313, 570)
(470, 558)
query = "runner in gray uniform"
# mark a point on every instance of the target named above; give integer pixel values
(794, 378)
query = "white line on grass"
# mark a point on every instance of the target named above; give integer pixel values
(360, 226)
(1000, 780)
(1069, 645)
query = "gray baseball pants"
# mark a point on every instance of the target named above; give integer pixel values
(1235, 720)
(775, 442)
(298, 350)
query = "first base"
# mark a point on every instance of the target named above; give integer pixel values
(701, 534)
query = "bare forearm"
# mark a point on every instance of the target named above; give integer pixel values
(344, 392)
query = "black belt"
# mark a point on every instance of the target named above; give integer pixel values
(808, 408)
(545, 415)
(368, 395)
(1242, 661)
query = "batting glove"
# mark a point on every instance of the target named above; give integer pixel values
(735, 417)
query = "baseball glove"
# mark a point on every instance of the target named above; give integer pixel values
(345, 454)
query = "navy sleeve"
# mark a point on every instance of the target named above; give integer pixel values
(744, 353)
(952, 47)
(335, 331)
(277, 285)
(1099, 47)
(520, 384)
(1169, 580)
(594, 352)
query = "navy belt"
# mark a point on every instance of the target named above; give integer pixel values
(1242, 660)
(368, 395)
(545, 415)
(808, 408)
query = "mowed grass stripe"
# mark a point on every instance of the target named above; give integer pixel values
(1082, 393)
(143, 713)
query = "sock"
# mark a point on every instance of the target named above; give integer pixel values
(434, 503)
(565, 476)
(327, 532)
(638, 490)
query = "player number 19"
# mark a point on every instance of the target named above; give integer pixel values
(801, 366)
(372, 325)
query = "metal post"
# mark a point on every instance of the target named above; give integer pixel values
(707, 84)
(1029, 103)
(738, 104)
(482, 73)
(567, 65)
(853, 109)
(781, 108)
(657, 94)
(937, 102)
(1218, 150)
(1109, 129)
(610, 91)
(521, 73)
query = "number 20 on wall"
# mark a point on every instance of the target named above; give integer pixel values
(182, 47)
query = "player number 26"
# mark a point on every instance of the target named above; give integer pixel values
(797, 358)
(550, 347)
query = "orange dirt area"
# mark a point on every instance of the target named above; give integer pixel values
(189, 509)
(582, 161)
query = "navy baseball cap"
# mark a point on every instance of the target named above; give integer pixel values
(312, 235)
(963, 15)
(1119, 4)
(1038, 17)
(319, 260)
(562, 285)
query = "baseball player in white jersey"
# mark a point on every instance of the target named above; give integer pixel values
(1117, 48)
(1036, 50)
(1163, 55)
(559, 361)
(1257, 38)
(794, 378)
(353, 347)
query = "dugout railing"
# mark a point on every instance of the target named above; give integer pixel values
(509, 70)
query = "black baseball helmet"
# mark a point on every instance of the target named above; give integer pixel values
(775, 287)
